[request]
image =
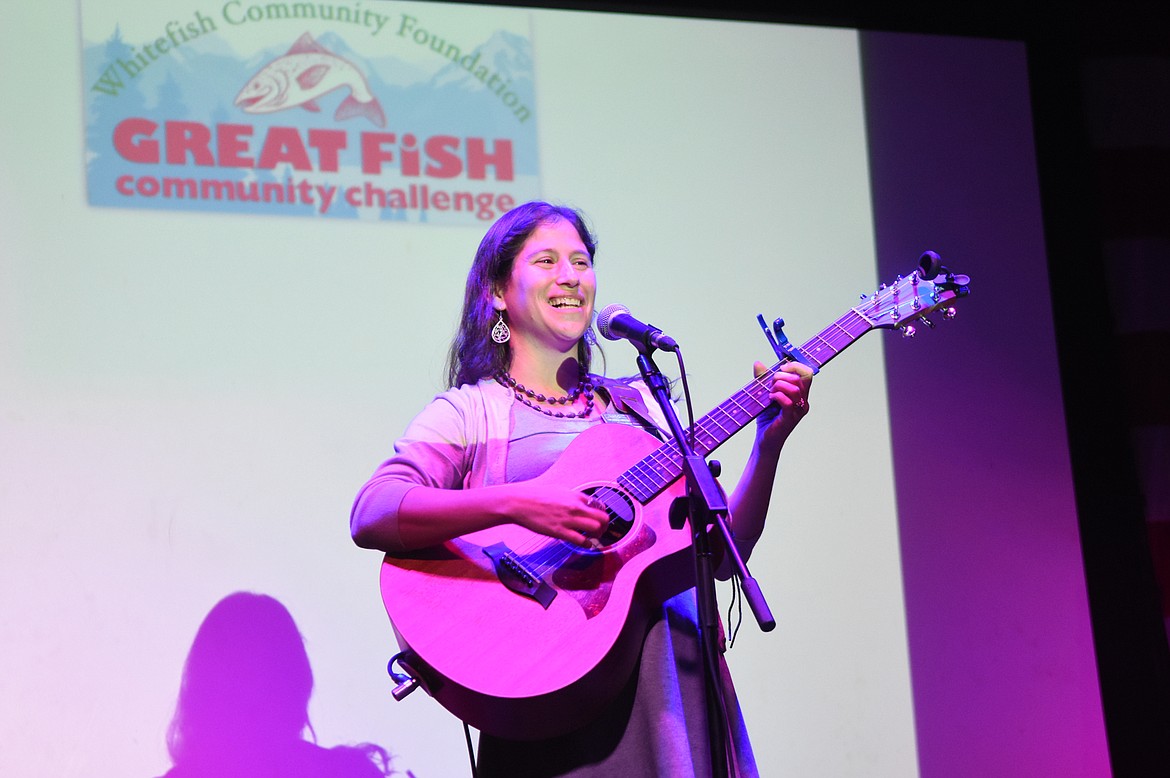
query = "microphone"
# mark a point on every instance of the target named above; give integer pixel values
(615, 323)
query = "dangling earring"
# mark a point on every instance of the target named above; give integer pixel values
(500, 333)
(590, 337)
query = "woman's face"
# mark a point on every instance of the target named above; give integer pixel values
(549, 295)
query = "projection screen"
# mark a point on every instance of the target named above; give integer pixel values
(216, 316)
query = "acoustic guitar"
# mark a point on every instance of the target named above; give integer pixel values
(524, 636)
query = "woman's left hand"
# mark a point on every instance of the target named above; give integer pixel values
(789, 393)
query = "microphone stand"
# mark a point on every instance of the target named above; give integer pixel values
(705, 506)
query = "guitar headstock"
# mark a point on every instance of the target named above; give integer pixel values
(932, 287)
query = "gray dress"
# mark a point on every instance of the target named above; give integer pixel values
(657, 726)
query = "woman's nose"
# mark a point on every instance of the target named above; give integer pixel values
(568, 275)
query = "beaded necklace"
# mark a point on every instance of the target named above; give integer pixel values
(527, 396)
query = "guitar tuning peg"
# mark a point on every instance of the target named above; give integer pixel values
(928, 322)
(865, 297)
(950, 313)
(908, 331)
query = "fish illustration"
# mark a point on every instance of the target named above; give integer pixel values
(306, 72)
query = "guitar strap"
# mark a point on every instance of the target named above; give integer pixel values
(629, 401)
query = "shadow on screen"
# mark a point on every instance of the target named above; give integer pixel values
(243, 707)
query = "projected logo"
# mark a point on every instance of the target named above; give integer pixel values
(220, 113)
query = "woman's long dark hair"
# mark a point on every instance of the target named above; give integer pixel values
(474, 355)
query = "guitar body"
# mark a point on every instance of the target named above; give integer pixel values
(502, 661)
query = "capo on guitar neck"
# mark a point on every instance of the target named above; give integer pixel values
(781, 345)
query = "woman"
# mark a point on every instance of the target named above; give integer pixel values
(520, 391)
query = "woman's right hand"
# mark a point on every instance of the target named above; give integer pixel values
(429, 515)
(559, 512)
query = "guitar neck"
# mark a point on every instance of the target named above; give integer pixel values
(659, 469)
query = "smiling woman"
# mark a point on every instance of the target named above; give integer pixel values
(547, 302)
(474, 355)
(499, 472)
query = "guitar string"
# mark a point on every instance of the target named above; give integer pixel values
(548, 554)
(843, 338)
(542, 555)
(760, 385)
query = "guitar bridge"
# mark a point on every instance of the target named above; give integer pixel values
(516, 577)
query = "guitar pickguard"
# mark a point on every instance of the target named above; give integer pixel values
(588, 576)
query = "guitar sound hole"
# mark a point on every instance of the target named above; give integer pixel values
(620, 508)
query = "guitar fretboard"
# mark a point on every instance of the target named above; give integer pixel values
(663, 466)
